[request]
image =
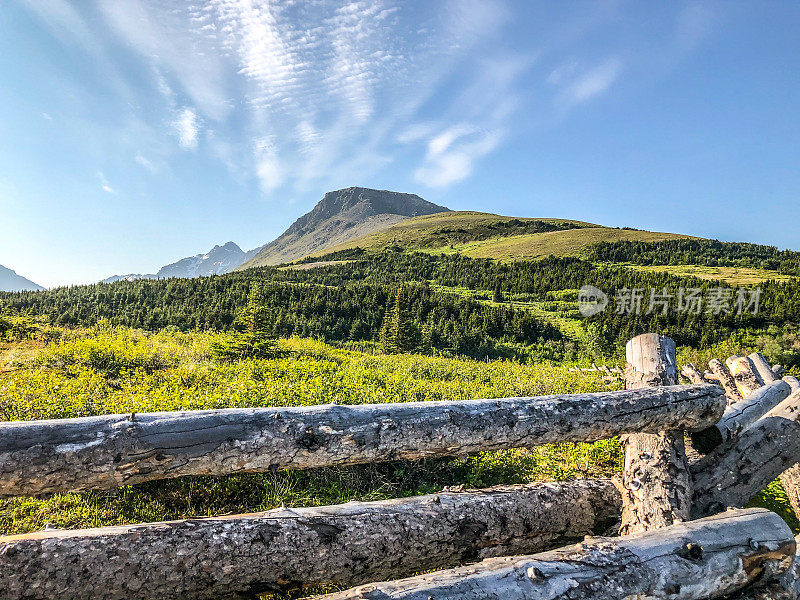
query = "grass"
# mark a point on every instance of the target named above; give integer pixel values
(730, 275)
(441, 229)
(571, 242)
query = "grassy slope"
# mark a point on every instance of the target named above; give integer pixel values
(571, 242)
(731, 275)
(421, 232)
(425, 233)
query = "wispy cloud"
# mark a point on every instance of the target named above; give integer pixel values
(104, 185)
(452, 154)
(145, 163)
(322, 92)
(187, 126)
(268, 166)
(590, 83)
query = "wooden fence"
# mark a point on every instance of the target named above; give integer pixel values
(693, 454)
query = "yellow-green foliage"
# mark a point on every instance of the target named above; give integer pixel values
(106, 370)
(118, 370)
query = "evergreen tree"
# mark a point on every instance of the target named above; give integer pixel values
(498, 294)
(398, 332)
(254, 340)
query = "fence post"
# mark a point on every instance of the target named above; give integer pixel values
(656, 484)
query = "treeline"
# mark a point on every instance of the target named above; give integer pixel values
(698, 252)
(779, 303)
(349, 301)
(353, 311)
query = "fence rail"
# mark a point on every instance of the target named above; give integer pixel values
(284, 549)
(749, 428)
(104, 452)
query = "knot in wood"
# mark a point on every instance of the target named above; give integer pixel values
(536, 575)
(691, 551)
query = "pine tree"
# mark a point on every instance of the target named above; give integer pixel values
(398, 332)
(254, 339)
(498, 294)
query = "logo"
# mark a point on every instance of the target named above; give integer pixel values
(591, 301)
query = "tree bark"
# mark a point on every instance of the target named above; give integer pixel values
(762, 367)
(740, 416)
(785, 586)
(733, 473)
(38, 457)
(726, 380)
(744, 372)
(790, 480)
(793, 382)
(287, 548)
(656, 486)
(692, 374)
(688, 561)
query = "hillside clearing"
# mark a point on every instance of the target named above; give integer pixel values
(571, 242)
(730, 275)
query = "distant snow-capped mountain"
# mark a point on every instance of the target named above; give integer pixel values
(217, 261)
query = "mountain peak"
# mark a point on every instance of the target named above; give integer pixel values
(340, 216)
(10, 281)
(218, 260)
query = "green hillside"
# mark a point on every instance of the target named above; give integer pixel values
(485, 235)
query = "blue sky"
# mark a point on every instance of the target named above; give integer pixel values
(135, 133)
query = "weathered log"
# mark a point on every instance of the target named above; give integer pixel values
(793, 382)
(744, 372)
(692, 374)
(763, 368)
(287, 548)
(103, 452)
(733, 473)
(726, 380)
(710, 377)
(785, 586)
(741, 415)
(656, 485)
(779, 370)
(687, 561)
(790, 480)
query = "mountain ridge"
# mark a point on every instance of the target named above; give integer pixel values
(217, 261)
(11, 281)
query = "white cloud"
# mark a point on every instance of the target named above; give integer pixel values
(268, 167)
(46, 116)
(104, 185)
(163, 34)
(329, 84)
(145, 163)
(187, 126)
(452, 154)
(591, 83)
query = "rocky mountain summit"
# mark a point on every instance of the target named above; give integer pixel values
(340, 216)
